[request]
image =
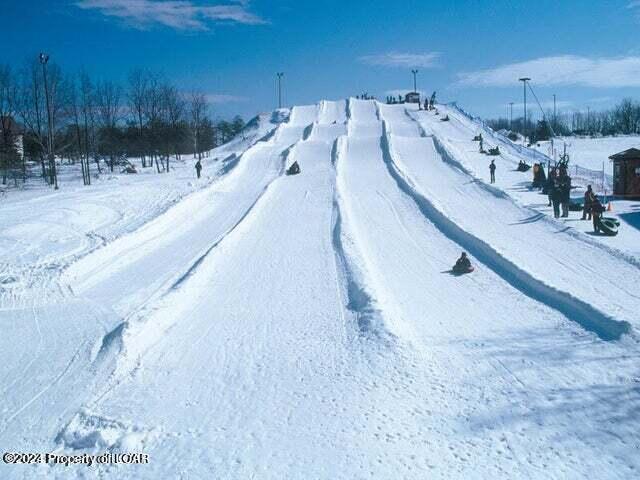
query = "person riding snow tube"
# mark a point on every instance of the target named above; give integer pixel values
(294, 169)
(463, 264)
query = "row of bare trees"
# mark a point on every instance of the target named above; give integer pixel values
(622, 119)
(99, 124)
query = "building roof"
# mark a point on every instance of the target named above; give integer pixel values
(631, 154)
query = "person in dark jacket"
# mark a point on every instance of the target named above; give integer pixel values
(294, 169)
(588, 202)
(565, 192)
(596, 212)
(492, 170)
(198, 168)
(463, 264)
(556, 196)
(549, 185)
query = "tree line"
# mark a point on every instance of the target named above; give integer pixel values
(622, 119)
(99, 124)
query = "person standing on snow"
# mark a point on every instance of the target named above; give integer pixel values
(565, 192)
(588, 202)
(556, 195)
(492, 170)
(596, 211)
(198, 168)
(549, 185)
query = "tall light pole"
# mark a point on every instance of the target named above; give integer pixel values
(554, 111)
(280, 75)
(44, 58)
(415, 84)
(510, 115)
(524, 81)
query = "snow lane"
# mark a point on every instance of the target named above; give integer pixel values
(456, 135)
(40, 376)
(50, 231)
(259, 345)
(576, 310)
(493, 400)
(183, 234)
(38, 383)
(511, 230)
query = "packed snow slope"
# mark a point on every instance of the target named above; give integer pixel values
(309, 326)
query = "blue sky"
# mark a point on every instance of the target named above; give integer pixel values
(472, 51)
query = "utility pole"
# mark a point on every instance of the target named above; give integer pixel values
(510, 115)
(524, 81)
(280, 75)
(44, 58)
(554, 112)
(415, 84)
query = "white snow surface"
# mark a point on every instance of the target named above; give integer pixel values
(252, 324)
(592, 153)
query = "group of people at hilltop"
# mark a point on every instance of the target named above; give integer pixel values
(428, 104)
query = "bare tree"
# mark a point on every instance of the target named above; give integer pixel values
(88, 119)
(139, 85)
(32, 110)
(108, 109)
(8, 127)
(198, 111)
(152, 107)
(174, 108)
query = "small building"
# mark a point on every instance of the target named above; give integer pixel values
(412, 97)
(626, 173)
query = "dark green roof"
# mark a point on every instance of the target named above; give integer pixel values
(631, 154)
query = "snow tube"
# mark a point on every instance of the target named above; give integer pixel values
(461, 271)
(615, 221)
(608, 226)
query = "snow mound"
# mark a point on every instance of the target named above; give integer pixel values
(96, 433)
